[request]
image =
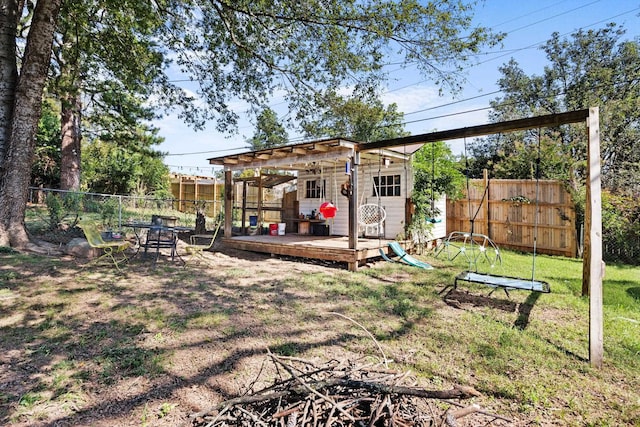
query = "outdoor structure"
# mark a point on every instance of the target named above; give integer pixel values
(593, 270)
(304, 157)
(368, 191)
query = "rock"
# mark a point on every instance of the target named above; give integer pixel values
(79, 247)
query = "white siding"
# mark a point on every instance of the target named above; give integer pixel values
(333, 176)
(440, 228)
(394, 206)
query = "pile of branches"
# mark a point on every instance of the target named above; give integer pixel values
(340, 394)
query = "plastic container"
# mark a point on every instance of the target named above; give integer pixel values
(273, 229)
(281, 227)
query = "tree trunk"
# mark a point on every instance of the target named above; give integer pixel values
(70, 156)
(8, 71)
(14, 181)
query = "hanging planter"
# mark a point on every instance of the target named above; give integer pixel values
(328, 210)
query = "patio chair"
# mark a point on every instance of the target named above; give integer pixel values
(196, 250)
(111, 249)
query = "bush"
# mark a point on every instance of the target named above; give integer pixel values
(620, 227)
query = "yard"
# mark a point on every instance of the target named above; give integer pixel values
(150, 347)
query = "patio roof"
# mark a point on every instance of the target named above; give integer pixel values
(300, 156)
(266, 180)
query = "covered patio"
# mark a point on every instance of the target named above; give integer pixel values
(326, 167)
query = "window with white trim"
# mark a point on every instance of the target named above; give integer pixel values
(386, 186)
(315, 189)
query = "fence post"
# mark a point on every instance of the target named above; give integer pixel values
(119, 212)
(485, 176)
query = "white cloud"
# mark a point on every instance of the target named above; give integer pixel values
(413, 98)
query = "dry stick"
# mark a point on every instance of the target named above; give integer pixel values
(384, 357)
(242, 400)
(305, 385)
(330, 416)
(286, 412)
(483, 412)
(457, 391)
(305, 412)
(461, 392)
(451, 417)
(253, 416)
(224, 410)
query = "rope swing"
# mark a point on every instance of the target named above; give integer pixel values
(506, 283)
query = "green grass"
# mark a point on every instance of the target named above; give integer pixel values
(80, 331)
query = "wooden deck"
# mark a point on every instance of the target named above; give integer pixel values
(329, 248)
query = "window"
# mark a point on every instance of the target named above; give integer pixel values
(387, 185)
(315, 189)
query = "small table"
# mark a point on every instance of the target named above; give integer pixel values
(158, 237)
(304, 224)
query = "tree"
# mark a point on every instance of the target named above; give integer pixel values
(103, 45)
(17, 160)
(9, 16)
(236, 50)
(46, 166)
(269, 131)
(112, 169)
(592, 68)
(361, 117)
(436, 173)
(248, 49)
(120, 155)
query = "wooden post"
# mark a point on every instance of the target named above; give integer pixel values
(353, 202)
(195, 190)
(180, 193)
(228, 203)
(353, 208)
(215, 198)
(487, 202)
(244, 207)
(592, 271)
(260, 202)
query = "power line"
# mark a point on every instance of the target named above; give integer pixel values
(501, 54)
(203, 152)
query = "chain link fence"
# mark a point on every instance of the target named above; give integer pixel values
(50, 208)
(624, 250)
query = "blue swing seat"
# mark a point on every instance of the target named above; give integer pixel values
(505, 282)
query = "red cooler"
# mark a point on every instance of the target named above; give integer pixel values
(273, 229)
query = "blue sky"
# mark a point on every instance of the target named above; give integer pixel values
(528, 26)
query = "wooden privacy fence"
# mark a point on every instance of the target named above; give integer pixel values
(191, 192)
(505, 211)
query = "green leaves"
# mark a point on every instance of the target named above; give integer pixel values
(361, 117)
(269, 131)
(590, 68)
(249, 49)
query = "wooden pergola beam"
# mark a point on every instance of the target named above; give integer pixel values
(550, 120)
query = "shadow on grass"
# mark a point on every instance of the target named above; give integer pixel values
(634, 293)
(524, 311)
(133, 313)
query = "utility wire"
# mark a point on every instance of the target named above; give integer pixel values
(502, 54)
